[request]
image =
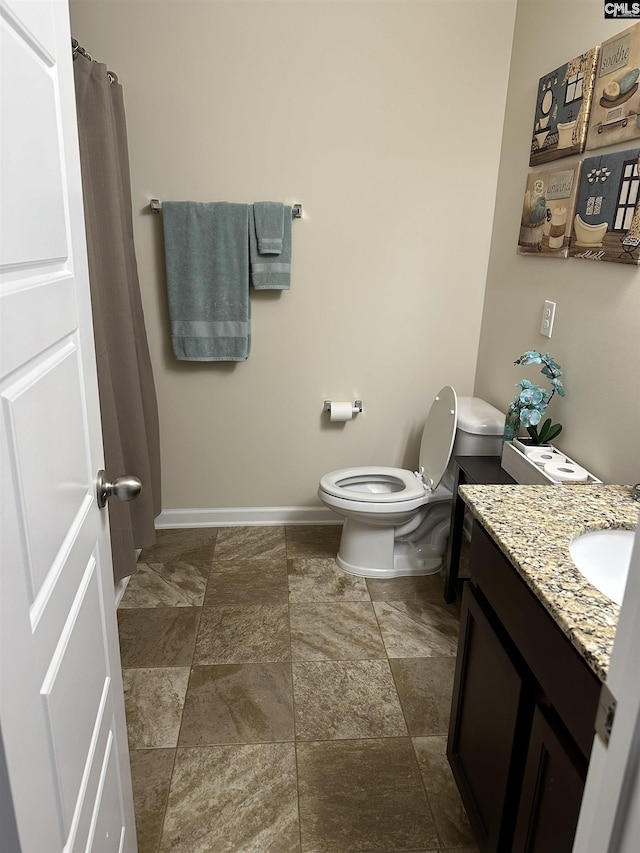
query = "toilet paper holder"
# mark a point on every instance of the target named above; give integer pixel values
(357, 406)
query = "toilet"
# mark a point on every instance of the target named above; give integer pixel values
(396, 520)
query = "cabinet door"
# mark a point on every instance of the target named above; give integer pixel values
(551, 792)
(488, 728)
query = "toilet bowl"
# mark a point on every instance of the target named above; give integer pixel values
(396, 520)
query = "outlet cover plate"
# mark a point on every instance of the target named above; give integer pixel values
(548, 315)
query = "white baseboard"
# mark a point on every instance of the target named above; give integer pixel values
(240, 516)
(120, 588)
(121, 585)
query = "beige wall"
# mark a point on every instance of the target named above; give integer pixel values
(596, 336)
(384, 120)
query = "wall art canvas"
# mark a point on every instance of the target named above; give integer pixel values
(547, 211)
(615, 106)
(606, 223)
(562, 109)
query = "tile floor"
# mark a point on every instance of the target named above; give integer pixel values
(276, 704)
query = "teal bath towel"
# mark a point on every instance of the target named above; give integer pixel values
(270, 272)
(207, 260)
(269, 219)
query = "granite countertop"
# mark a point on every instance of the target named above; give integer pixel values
(532, 526)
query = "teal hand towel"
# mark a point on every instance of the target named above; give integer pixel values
(269, 219)
(271, 272)
(207, 261)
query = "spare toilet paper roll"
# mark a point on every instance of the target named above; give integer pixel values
(542, 455)
(340, 412)
(566, 472)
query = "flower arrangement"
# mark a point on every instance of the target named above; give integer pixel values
(532, 401)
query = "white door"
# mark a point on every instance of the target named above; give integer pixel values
(61, 701)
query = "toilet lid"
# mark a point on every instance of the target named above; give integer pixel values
(438, 436)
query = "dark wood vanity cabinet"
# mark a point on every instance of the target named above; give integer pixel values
(524, 704)
(552, 787)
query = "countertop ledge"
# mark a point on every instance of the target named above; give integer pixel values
(532, 526)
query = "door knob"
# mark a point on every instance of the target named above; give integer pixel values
(124, 488)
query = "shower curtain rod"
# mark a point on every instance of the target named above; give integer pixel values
(78, 50)
(155, 206)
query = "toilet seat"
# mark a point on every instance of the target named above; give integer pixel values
(373, 485)
(384, 486)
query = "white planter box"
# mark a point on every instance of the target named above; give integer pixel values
(526, 472)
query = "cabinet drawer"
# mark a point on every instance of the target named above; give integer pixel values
(564, 677)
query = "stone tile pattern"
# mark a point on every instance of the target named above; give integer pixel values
(533, 526)
(276, 704)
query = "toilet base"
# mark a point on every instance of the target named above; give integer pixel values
(371, 552)
(402, 568)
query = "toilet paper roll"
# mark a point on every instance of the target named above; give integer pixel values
(566, 472)
(542, 455)
(340, 412)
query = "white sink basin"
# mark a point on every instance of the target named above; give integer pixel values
(603, 557)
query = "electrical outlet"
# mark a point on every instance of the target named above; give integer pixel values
(548, 313)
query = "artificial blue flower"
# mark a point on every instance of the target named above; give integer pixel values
(529, 357)
(533, 400)
(551, 371)
(531, 395)
(530, 417)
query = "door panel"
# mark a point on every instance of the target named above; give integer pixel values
(41, 310)
(36, 18)
(71, 733)
(107, 824)
(51, 607)
(99, 781)
(50, 388)
(32, 146)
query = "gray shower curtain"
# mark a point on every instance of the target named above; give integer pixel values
(125, 379)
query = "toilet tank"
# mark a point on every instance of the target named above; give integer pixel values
(480, 428)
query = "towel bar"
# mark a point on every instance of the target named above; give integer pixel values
(155, 206)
